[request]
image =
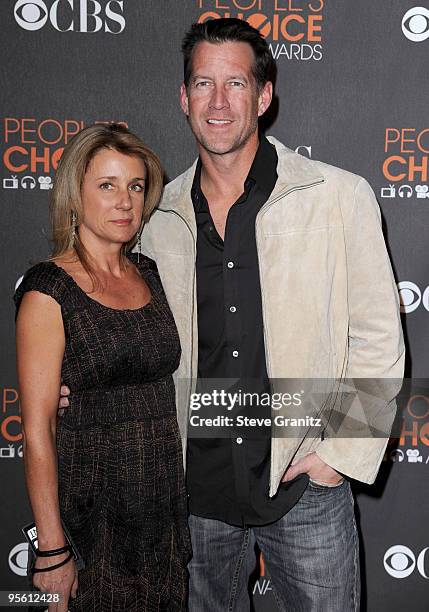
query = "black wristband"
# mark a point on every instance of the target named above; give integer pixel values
(38, 570)
(54, 551)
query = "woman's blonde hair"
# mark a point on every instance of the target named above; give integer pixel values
(66, 203)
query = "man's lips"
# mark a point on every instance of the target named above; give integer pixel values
(219, 122)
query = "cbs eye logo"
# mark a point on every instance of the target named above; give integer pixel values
(410, 296)
(18, 558)
(400, 562)
(415, 24)
(31, 15)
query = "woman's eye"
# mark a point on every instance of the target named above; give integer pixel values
(137, 187)
(106, 186)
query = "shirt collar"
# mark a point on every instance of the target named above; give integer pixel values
(262, 171)
(264, 166)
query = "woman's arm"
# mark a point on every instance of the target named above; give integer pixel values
(40, 348)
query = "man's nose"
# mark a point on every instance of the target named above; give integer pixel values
(219, 98)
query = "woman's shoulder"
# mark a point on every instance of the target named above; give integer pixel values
(45, 277)
(147, 268)
(143, 263)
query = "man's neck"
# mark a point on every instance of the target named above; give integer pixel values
(225, 174)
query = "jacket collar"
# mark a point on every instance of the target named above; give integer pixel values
(177, 197)
(293, 171)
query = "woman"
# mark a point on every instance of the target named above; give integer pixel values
(95, 318)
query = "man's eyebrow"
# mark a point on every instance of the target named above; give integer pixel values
(241, 77)
(200, 76)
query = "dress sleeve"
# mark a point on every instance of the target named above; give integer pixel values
(44, 277)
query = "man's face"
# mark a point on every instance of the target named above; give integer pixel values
(222, 101)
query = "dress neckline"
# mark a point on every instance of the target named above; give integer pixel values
(96, 302)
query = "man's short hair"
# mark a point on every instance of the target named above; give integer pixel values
(217, 31)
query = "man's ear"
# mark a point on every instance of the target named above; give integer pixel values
(184, 99)
(265, 97)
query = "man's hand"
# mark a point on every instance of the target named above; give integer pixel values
(64, 399)
(317, 470)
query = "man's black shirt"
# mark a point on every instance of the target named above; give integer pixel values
(228, 478)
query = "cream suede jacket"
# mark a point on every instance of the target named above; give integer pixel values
(329, 299)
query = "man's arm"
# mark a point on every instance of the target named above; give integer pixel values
(356, 443)
(376, 346)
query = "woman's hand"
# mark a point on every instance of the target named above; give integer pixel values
(62, 580)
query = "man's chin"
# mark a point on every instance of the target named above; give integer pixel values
(217, 149)
(222, 147)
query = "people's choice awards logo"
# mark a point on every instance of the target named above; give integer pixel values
(10, 424)
(410, 446)
(406, 161)
(415, 24)
(294, 30)
(34, 145)
(411, 296)
(87, 16)
(18, 558)
(400, 562)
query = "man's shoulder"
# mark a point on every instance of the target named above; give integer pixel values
(293, 163)
(176, 188)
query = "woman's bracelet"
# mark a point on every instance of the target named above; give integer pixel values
(38, 570)
(54, 551)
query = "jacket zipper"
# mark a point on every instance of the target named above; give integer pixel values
(260, 214)
(267, 205)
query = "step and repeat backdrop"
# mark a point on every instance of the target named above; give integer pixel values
(352, 90)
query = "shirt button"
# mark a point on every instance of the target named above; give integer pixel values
(230, 264)
(239, 440)
(235, 353)
(232, 309)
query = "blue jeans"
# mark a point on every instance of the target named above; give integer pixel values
(311, 555)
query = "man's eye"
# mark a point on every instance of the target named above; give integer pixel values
(237, 83)
(202, 84)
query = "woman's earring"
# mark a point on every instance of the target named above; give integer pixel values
(139, 246)
(74, 223)
(139, 242)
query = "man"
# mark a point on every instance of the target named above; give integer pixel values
(274, 266)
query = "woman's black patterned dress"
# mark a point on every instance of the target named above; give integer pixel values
(121, 484)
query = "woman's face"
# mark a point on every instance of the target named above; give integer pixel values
(112, 198)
